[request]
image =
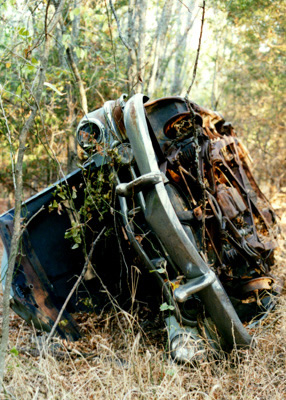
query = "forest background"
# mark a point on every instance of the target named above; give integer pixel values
(151, 48)
(97, 51)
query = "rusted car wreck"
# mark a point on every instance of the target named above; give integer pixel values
(174, 180)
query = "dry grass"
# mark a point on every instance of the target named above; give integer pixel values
(126, 366)
(116, 359)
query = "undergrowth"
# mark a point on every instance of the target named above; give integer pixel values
(119, 358)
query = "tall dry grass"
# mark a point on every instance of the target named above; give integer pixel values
(113, 364)
(117, 359)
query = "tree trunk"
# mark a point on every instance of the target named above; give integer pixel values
(141, 33)
(131, 33)
(160, 38)
(180, 63)
(19, 183)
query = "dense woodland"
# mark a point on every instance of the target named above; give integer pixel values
(101, 49)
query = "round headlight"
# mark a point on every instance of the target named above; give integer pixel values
(90, 133)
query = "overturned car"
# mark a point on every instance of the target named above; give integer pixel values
(170, 182)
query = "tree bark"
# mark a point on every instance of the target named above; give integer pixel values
(180, 51)
(141, 34)
(161, 33)
(131, 62)
(49, 27)
(75, 70)
(198, 51)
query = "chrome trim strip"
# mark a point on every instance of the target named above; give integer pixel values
(160, 213)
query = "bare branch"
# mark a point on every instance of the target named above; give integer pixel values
(185, 6)
(129, 48)
(46, 19)
(9, 140)
(198, 51)
(87, 261)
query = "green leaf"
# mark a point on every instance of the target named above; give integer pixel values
(51, 86)
(68, 234)
(171, 372)
(62, 195)
(83, 53)
(14, 351)
(77, 239)
(23, 32)
(75, 246)
(165, 307)
(76, 11)
(78, 52)
(66, 40)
